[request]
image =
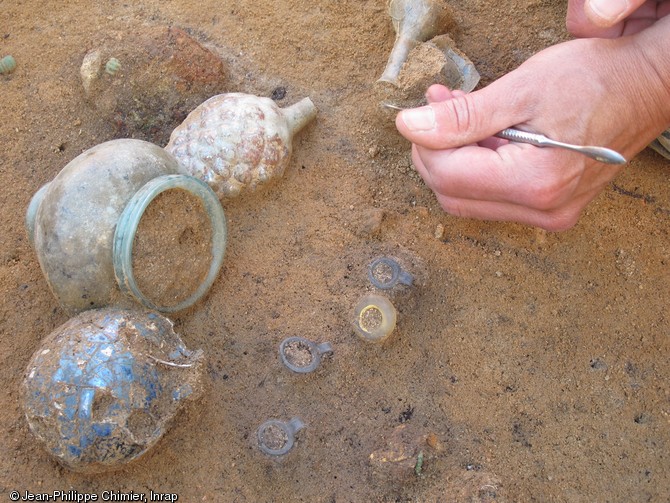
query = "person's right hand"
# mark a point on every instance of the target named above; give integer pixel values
(613, 18)
(612, 93)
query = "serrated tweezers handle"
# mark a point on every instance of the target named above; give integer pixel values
(601, 154)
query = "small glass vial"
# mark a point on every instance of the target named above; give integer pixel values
(374, 318)
(302, 355)
(276, 438)
(385, 273)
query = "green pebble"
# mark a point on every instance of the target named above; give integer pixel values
(418, 467)
(7, 64)
(112, 66)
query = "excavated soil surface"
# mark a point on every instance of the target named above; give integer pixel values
(525, 366)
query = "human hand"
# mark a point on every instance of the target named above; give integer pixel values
(613, 18)
(588, 92)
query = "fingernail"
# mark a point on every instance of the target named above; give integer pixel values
(419, 119)
(609, 10)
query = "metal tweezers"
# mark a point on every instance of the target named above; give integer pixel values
(601, 154)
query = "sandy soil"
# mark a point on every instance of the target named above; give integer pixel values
(525, 366)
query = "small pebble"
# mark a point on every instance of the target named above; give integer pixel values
(112, 66)
(439, 231)
(369, 222)
(278, 93)
(434, 442)
(422, 211)
(90, 69)
(7, 65)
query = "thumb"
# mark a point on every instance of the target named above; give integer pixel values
(461, 119)
(606, 13)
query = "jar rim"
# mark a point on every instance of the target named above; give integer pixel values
(126, 228)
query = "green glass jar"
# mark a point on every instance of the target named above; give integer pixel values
(83, 225)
